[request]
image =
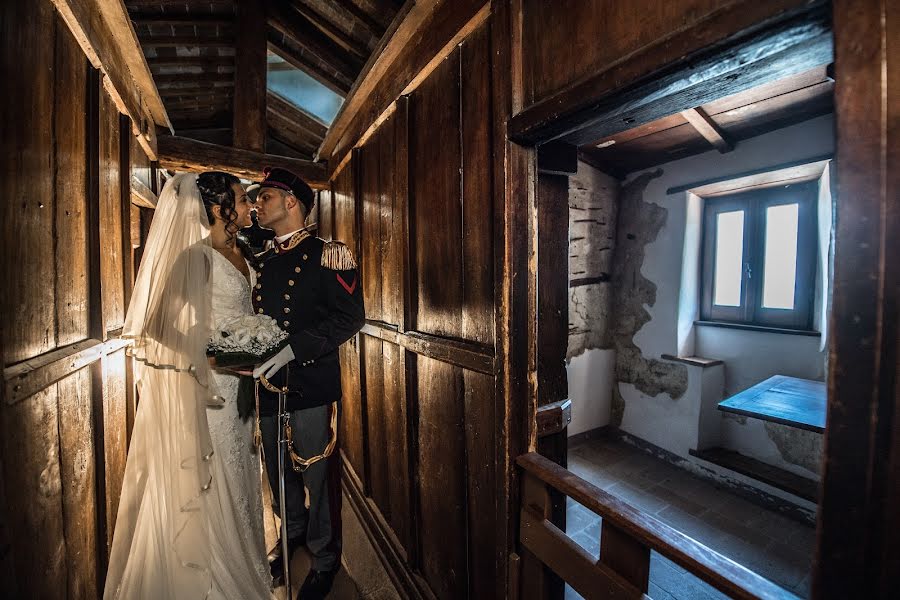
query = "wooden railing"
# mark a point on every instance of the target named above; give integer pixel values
(626, 540)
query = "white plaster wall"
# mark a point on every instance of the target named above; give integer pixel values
(591, 377)
(752, 356)
(749, 356)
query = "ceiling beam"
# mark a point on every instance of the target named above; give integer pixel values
(187, 20)
(191, 79)
(331, 30)
(183, 154)
(359, 14)
(106, 36)
(304, 33)
(191, 61)
(708, 128)
(186, 40)
(249, 114)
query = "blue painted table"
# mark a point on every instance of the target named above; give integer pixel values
(782, 399)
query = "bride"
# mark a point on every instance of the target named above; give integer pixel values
(190, 520)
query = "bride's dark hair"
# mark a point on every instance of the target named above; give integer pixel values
(216, 190)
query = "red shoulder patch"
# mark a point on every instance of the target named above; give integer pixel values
(351, 287)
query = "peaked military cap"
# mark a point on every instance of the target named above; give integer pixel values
(283, 179)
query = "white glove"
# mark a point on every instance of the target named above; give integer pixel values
(274, 364)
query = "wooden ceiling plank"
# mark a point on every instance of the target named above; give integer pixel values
(183, 154)
(191, 61)
(186, 20)
(302, 31)
(708, 128)
(250, 68)
(176, 41)
(106, 36)
(337, 83)
(327, 26)
(174, 79)
(363, 17)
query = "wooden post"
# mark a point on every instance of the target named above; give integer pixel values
(249, 129)
(625, 555)
(535, 576)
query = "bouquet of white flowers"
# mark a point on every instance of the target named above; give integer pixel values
(247, 340)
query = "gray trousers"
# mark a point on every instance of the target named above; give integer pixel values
(321, 521)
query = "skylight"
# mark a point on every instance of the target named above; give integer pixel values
(301, 90)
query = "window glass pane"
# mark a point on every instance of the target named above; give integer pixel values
(780, 268)
(729, 259)
(301, 90)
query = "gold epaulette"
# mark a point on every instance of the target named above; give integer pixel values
(337, 257)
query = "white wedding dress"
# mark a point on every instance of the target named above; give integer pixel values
(232, 439)
(189, 525)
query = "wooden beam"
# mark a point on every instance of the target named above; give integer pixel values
(249, 115)
(708, 128)
(337, 34)
(336, 82)
(188, 20)
(171, 62)
(304, 33)
(141, 195)
(402, 65)
(704, 62)
(175, 41)
(191, 79)
(363, 17)
(183, 154)
(104, 32)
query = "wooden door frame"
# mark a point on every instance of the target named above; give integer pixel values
(855, 553)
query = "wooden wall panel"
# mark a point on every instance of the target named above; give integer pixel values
(370, 197)
(72, 277)
(115, 434)
(480, 436)
(28, 185)
(382, 197)
(111, 258)
(387, 435)
(435, 182)
(477, 224)
(442, 477)
(325, 218)
(32, 477)
(353, 428)
(78, 459)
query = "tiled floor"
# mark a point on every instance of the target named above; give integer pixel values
(774, 546)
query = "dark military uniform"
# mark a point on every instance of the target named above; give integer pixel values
(314, 292)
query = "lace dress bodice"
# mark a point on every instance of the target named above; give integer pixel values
(231, 436)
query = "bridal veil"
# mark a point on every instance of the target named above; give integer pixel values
(163, 546)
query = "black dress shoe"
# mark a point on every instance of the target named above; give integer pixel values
(318, 584)
(276, 562)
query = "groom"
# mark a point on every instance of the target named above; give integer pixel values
(312, 288)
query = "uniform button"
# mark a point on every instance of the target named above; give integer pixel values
(258, 286)
(259, 310)
(287, 296)
(286, 310)
(259, 298)
(287, 323)
(290, 282)
(296, 269)
(305, 257)
(259, 273)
